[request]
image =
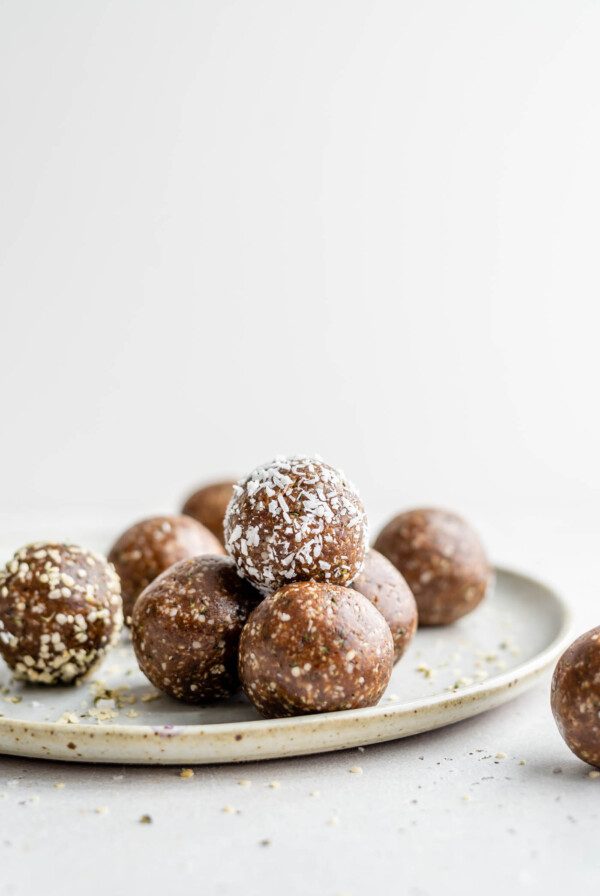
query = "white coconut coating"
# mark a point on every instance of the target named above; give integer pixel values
(296, 519)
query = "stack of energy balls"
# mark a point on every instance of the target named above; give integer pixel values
(298, 610)
(268, 583)
(277, 613)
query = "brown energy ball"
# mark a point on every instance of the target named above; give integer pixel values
(186, 628)
(151, 546)
(315, 647)
(386, 588)
(60, 611)
(296, 519)
(441, 558)
(575, 697)
(208, 506)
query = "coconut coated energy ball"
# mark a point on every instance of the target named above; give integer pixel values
(60, 611)
(386, 588)
(575, 697)
(315, 647)
(186, 628)
(208, 506)
(441, 558)
(296, 519)
(151, 546)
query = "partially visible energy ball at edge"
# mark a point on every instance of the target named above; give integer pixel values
(575, 697)
(442, 559)
(208, 505)
(388, 590)
(315, 647)
(60, 612)
(296, 519)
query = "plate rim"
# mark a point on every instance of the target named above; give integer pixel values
(478, 690)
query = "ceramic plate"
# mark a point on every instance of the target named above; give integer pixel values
(448, 674)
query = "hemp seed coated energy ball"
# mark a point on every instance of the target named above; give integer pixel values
(186, 628)
(315, 647)
(149, 547)
(575, 697)
(296, 519)
(208, 506)
(441, 558)
(386, 588)
(60, 612)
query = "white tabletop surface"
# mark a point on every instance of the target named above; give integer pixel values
(492, 805)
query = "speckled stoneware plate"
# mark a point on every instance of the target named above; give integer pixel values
(448, 674)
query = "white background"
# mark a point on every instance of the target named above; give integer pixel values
(366, 229)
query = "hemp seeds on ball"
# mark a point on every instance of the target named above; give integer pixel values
(186, 628)
(60, 612)
(387, 589)
(315, 647)
(296, 519)
(441, 558)
(149, 547)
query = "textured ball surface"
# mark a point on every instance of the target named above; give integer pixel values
(149, 547)
(209, 504)
(315, 647)
(575, 697)
(296, 519)
(387, 589)
(186, 628)
(60, 611)
(441, 558)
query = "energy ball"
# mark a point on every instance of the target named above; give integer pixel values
(186, 628)
(208, 506)
(441, 558)
(296, 519)
(315, 647)
(386, 588)
(60, 612)
(575, 697)
(151, 546)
